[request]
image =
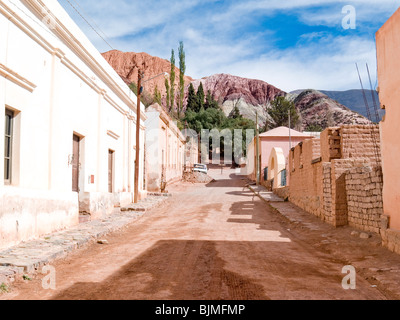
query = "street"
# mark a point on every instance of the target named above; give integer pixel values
(217, 241)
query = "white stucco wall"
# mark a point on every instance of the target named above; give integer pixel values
(165, 145)
(58, 85)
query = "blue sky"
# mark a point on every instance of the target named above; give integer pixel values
(292, 44)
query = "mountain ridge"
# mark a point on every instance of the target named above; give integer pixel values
(251, 96)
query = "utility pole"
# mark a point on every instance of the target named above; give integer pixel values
(290, 133)
(138, 117)
(258, 151)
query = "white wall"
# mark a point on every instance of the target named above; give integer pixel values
(58, 85)
(162, 134)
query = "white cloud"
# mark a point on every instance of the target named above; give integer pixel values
(319, 66)
(214, 43)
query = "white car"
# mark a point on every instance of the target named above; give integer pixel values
(200, 168)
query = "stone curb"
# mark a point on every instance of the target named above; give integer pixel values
(272, 203)
(268, 196)
(29, 257)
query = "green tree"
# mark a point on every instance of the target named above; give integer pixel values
(172, 81)
(200, 96)
(167, 88)
(314, 128)
(182, 70)
(146, 98)
(192, 102)
(157, 96)
(210, 101)
(279, 112)
(215, 118)
(236, 113)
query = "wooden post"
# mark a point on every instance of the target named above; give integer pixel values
(257, 151)
(138, 117)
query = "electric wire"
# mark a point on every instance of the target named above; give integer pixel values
(89, 24)
(48, 30)
(92, 20)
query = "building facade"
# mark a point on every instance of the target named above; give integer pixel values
(69, 125)
(388, 51)
(339, 178)
(276, 138)
(165, 150)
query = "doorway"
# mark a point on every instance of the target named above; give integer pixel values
(110, 171)
(75, 163)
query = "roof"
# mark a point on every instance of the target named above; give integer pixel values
(284, 132)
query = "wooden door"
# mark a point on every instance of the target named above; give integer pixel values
(75, 163)
(110, 170)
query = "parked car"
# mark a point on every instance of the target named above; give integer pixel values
(200, 168)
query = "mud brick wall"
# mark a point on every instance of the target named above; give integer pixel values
(322, 180)
(282, 192)
(331, 144)
(360, 142)
(339, 168)
(327, 192)
(305, 167)
(364, 198)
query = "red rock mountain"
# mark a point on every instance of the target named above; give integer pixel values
(226, 87)
(249, 95)
(317, 109)
(127, 64)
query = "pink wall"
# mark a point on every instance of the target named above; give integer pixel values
(388, 53)
(279, 142)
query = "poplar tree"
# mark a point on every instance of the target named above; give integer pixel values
(172, 81)
(167, 88)
(182, 70)
(157, 95)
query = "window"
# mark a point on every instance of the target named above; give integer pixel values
(8, 140)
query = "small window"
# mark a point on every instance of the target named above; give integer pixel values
(8, 141)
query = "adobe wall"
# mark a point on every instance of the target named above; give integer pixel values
(338, 177)
(388, 63)
(364, 198)
(305, 169)
(360, 142)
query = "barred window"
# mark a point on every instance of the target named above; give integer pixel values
(8, 141)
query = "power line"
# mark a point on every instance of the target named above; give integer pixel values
(364, 95)
(36, 22)
(92, 20)
(373, 97)
(81, 15)
(72, 39)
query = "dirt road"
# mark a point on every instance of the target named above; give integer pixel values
(215, 241)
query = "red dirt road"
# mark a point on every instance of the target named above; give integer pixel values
(208, 242)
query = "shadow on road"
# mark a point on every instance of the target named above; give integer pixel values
(172, 269)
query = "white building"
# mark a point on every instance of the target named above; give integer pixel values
(69, 124)
(165, 146)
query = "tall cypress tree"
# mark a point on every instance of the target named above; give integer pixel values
(182, 70)
(172, 81)
(200, 96)
(192, 99)
(210, 101)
